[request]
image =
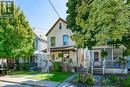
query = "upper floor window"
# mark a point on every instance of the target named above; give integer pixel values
(65, 39)
(60, 26)
(36, 43)
(53, 41)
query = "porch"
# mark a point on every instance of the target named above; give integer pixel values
(66, 55)
(107, 64)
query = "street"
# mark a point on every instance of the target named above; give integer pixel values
(7, 84)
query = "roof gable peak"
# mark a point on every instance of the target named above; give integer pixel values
(60, 19)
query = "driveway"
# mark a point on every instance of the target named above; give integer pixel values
(7, 84)
(22, 80)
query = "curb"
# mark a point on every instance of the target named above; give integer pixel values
(23, 83)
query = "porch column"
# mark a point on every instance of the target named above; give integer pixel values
(112, 53)
(92, 61)
(103, 66)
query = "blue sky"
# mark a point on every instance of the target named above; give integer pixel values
(40, 14)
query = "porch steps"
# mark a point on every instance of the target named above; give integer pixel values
(97, 71)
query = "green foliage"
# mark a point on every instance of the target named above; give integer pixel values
(61, 55)
(99, 20)
(103, 54)
(122, 61)
(57, 66)
(126, 82)
(90, 81)
(25, 66)
(72, 12)
(85, 79)
(114, 80)
(16, 36)
(105, 82)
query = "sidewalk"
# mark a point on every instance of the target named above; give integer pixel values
(66, 82)
(31, 82)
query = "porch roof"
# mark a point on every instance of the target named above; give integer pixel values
(61, 49)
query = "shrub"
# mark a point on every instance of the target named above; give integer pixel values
(90, 81)
(85, 79)
(114, 80)
(57, 66)
(25, 66)
(126, 82)
(105, 82)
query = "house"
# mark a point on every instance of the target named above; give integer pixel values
(59, 42)
(40, 43)
(97, 64)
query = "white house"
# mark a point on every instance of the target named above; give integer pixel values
(59, 41)
(40, 44)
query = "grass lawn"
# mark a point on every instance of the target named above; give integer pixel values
(54, 76)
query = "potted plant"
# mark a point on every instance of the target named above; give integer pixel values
(103, 54)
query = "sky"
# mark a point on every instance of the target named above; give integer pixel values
(40, 13)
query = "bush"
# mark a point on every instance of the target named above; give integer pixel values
(25, 66)
(114, 80)
(57, 66)
(126, 82)
(90, 81)
(105, 82)
(85, 79)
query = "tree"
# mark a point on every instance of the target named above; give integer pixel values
(101, 20)
(16, 36)
(77, 30)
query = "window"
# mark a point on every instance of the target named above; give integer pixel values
(53, 41)
(60, 26)
(96, 56)
(65, 39)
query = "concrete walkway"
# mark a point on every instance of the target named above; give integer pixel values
(7, 84)
(66, 82)
(30, 82)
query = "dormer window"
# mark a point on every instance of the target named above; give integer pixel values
(60, 26)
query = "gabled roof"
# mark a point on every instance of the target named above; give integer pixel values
(40, 34)
(55, 24)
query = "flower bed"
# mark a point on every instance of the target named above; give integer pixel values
(116, 80)
(84, 79)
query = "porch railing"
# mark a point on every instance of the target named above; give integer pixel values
(111, 64)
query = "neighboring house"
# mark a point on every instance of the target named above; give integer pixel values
(40, 44)
(59, 41)
(97, 64)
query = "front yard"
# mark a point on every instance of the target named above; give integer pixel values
(54, 76)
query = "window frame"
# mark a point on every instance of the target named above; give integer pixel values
(53, 44)
(67, 41)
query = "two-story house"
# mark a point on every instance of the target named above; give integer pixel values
(59, 42)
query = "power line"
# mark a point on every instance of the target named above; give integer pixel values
(54, 9)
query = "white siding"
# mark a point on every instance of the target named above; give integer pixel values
(58, 33)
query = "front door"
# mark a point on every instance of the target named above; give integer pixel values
(97, 58)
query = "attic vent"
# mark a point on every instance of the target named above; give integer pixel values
(60, 26)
